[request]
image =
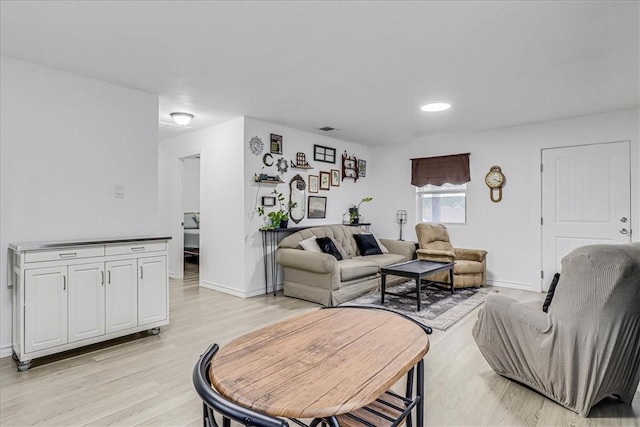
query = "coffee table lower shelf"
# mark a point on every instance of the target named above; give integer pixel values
(415, 269)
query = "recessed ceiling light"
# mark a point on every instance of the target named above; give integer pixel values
(435, 107)
(182, 119)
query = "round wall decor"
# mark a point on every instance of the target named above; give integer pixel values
(256, 145)
(283, 165)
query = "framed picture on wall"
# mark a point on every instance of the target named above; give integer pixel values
(362, 168)
(324, 154)
(268, 201)
(317, 207)
(276, 144)
(325, 181)
(313, 183)
(335, 178)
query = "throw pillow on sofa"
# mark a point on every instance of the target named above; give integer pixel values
(367, 244)
(552, 290)
(328, 247)
(310, 245)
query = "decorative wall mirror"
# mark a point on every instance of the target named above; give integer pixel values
(297, 194)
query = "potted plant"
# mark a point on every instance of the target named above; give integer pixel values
(354, 212)
(279, 218)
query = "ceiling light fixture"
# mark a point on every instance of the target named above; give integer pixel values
(182, 119)
(435, 107)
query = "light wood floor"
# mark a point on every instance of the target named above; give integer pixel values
(146, 380)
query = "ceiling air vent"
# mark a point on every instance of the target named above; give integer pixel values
(327, 129)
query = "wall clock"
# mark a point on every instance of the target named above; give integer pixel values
(495, 180)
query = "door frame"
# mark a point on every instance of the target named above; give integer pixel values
(179, 218)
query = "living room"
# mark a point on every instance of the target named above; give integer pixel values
(71, 133)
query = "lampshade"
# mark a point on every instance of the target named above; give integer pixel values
(182, 119)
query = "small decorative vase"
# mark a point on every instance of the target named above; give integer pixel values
(284, 224)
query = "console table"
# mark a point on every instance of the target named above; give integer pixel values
(69, 294)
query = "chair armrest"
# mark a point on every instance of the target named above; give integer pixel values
(400, 247)
(316, 262)
(505, 307)
(435, 255)
(470, 254)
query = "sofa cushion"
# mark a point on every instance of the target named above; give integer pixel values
(341, 235)
(328, 247)
(382, 260)
(367, 244)
(355, 268)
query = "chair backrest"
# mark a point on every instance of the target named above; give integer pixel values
(433, 236)
(599, 286)
(215, 402)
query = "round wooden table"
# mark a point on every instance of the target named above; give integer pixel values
(320, 364)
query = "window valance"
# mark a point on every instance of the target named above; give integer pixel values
(453, 169)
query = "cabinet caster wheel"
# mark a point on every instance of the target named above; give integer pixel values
(155, 331)
(14, 356)
(23, 366)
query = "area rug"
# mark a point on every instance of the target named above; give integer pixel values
(440, 309)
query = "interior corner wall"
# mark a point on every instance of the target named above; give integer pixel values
(510, 230)
(221, 150)
(66, 141)
(339, 199)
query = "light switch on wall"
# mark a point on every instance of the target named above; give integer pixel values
(119, 191)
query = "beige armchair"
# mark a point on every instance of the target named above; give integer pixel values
(470, 264)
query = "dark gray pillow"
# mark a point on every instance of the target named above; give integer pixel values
(552, 290)
(328, 247)
(367, 244)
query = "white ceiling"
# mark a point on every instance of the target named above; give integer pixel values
(362, 67)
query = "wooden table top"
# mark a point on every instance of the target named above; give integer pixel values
(319, 364)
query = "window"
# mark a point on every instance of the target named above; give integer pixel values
(445, 203)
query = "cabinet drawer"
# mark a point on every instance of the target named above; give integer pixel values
(65, 253)
(136, 248)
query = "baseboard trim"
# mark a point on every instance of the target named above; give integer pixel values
(512, 285)
(232, 291)
(6, 351)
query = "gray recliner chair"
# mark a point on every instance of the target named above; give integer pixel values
(587, 346)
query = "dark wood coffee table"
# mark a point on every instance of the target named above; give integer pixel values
(415, 269)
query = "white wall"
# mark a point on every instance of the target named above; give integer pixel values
(510, 230)
(339, 199)
(191, 185)
(221, 152)
(65, 142)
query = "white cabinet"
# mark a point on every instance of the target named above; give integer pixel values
(152, 290)
(85, 301)
(66, 297)
(122, 295)
(46, 308)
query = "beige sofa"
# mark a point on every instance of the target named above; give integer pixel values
(321, 278)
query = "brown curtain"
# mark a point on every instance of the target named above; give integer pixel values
(453, 169)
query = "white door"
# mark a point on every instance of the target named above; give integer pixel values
(586, 199)
(86, 301)
(122, 295)
(152, 289)
(45, 308)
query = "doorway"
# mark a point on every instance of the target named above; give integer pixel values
(586, 199)
(190, 216)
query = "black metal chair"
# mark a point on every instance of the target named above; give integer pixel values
(390, 409)
(212, 401)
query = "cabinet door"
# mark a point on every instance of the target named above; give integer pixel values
(45, 322)
(152, 289)
(122, 295)
(86, 301)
